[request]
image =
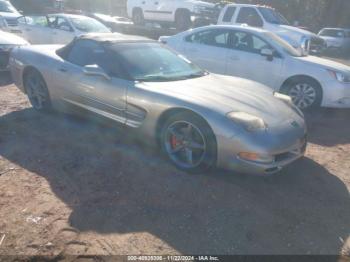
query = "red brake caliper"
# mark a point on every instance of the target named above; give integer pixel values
(173, 141)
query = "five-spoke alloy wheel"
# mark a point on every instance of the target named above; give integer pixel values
(37, 91)
(188, 142)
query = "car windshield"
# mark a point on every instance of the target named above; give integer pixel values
(272, 16)
(290, 50)
(332, 33)
(7, 7)
(89, 25)
(151, 62)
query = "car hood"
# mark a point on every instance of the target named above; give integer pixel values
(326, 63)
(225, 94)
(293, 34)
(10, 15)
(11, 39)
(201, 3)
(296, 30)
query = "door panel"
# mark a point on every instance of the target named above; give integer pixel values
(244, 60)
(62, 32)
(208, 49)
(36, 29)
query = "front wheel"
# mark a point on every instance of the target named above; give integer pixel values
(182, 20)
(188, 142)
(305, 93)
(37, 91)
(137, 17)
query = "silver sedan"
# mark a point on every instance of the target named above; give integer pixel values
(200, 120)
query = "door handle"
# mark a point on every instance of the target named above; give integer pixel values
(156, 3)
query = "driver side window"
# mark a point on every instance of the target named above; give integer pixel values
(249, 16)
(84, 52)
(62, 24)
(247, 42)
(217, 38)
(89, 52)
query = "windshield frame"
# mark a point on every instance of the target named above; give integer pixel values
(283, 45)
(125, 64)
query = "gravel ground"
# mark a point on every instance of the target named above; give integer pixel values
(72, 186)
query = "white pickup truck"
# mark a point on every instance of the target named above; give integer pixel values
(271, 20)
(181, 13)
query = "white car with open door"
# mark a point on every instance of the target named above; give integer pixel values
(262, 56)
(58, 28)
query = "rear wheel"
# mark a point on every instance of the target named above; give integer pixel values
(183, 20)
(305, 93)
(37, 91)
(188, 142)
(137, 17)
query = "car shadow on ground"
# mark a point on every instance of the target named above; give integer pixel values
(328, 127)
(5, 79)
(113, 185)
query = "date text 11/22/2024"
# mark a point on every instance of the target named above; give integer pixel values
(173, 258)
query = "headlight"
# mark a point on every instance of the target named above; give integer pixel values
(305, 44)
(249, 122)
(284, 98)
(199, 8)
(341, 77)
(288, 100)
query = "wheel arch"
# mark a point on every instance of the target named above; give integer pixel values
(136, 8)
(26, 71)
(172, 111)
(294, 78)
(181, 9)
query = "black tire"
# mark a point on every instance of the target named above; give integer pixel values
(315, 88)
(182, 20)
(41, 100)
(207, 157)
(137, 16)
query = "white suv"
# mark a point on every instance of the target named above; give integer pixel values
(8, 17)
(180, 13)
(271, 20)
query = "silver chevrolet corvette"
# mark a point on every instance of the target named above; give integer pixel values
(199, 120)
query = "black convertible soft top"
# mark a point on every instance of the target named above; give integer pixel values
(103, 38)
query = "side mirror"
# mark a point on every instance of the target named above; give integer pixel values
(95, 70)
(268, 53)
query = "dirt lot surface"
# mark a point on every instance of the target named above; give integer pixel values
(71, 186)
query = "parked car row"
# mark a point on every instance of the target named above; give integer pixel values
(262, 56)
(199, 119)
(241, 112)
(337, 39)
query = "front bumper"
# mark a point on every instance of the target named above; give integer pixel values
(283, 144)
(281, 160)
(210, 15)
(317, 45)
(336, 94)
